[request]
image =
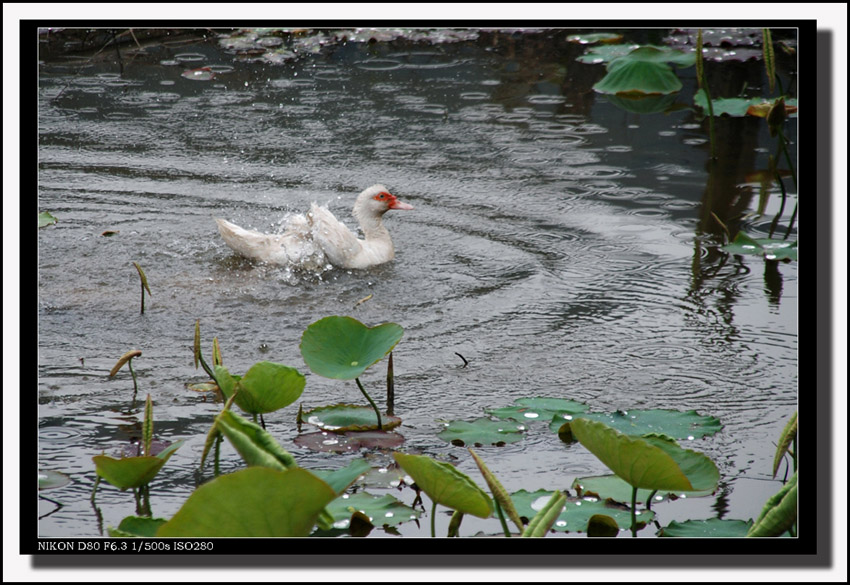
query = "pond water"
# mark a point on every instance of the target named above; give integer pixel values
(564, 246)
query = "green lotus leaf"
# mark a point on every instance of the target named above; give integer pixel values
(445, 485)
(652, 463)
(132, 472)
(265, 387)
(48, 479)
(135, 526)
(681, 425)
(482, 432)
(735, 107)
(341, 479)
(769, 248)
(257, 501)
(343, 348)
(711, 528)
(638, 76)
(342, 418)
(611, 487)
(253, 442)
(348, 442)
(45, 219)
(381, 510)
(537, 409)
(592, 38)
(577, 511)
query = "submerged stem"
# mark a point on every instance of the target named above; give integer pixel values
(433, 519)
(501, 515)
(372, 402)
(135, 383)
(634, 516)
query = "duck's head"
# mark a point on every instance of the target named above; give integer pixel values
(377, 200)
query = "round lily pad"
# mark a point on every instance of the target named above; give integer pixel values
(343, 348)
(330, 442)
(48, 479)
(713, 527)
(381, 510)
(611, 487)
(482, 432)
(577, 512)
(537, 409)
(678, 424)
(341, 418)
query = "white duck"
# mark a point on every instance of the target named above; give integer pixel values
(311, 241)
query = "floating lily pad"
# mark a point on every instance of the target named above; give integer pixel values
(593, 38)
(680, 425)
(740, 107)
(332, 442)
(136, 526)
(343, 348)
(445, 485)
(769, 248)
(341, 479)
(342, 418)
(265, 387)
(648, 462)
(48, 480)
(482, 432)
(577, 511)
(711, 528)
(257, 501)
(605, 53)
(537, 409)
(613, 488)
(381, 510)
(45, 219)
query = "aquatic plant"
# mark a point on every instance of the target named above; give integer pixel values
(134, 472)
(45, 219)
(343, 348)
(445, 485)
(127, 358)
(257, 501)
(144, 283)
(653, 462)
(264, 388)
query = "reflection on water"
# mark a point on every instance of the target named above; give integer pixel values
(563, 246)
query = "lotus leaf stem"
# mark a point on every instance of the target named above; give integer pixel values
(634, 516)
(433, 518)
(372, 402)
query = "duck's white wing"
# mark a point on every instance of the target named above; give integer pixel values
(339, 243)
(292, 248)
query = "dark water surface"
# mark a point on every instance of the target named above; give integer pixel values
(563, 246)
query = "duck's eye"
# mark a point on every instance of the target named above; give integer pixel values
(381, 196)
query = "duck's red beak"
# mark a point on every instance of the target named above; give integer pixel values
(396, 204)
